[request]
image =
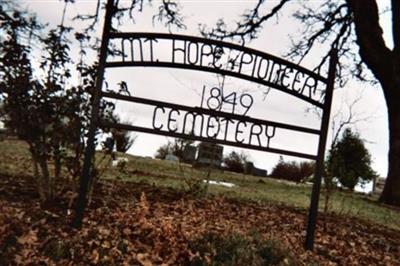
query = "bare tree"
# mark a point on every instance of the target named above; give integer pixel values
(346, 25)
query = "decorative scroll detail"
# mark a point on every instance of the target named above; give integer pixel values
(187, 52)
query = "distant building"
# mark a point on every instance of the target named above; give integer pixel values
(189, 154)
(209, 154)
(250, 169)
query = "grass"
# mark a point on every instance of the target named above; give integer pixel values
(14, 159)
(237, 249)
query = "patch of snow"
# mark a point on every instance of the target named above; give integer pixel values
(170, 157)
(365, 188)
(225, 184)
(117, 161)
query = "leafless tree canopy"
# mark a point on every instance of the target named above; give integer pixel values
(329, 23)
(169, 13)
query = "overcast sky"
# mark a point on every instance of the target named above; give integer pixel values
(185, 86)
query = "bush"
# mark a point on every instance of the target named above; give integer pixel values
(235, 162)
(292, 170)
(124, 139)
(349, 161)
(235, 249)
(175, 147)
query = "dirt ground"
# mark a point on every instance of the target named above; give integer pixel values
(139, 224)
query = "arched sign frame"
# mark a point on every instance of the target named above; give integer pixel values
(275, 83)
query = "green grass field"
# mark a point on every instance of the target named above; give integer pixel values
(15, 160)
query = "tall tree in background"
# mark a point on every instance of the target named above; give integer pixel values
(175, 147)
(346, 25)
(292, 170)
(349, 161)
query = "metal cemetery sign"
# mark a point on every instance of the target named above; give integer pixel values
(209, 121)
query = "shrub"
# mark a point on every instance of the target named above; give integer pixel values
(292, 170)
(349, 161)
(175, 147)
(235, 249)
(235, 162)
(124, 139)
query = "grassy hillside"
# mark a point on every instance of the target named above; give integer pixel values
(14, 159)
(147, 214)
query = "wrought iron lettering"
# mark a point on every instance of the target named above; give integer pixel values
(226, 121)
(154, 117)
(224, 58)
(150, 40)
(297, 80)
(191, 52)
(238, 131)
(254, 133)
(171, 120)
(176, 49)
(131, 49)
(310, 87)
(194, 117)
(251, 133)
(216, 100)
(212, 125)
(270, 133)
(244, 62)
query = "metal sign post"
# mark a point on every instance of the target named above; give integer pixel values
(90, 143)
(319, 166)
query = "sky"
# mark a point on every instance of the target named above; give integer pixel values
(185, 86)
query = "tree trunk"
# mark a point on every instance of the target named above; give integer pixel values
(39, 179)
(57, 171)
(57, 167)
(391, 191)
(38, 176)
(45, 176)
(385, 65)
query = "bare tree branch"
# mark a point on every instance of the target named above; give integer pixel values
(331, 24)
(248, 28)
(340, 121)
(170, 11)
(94, 18)
(131, 8)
